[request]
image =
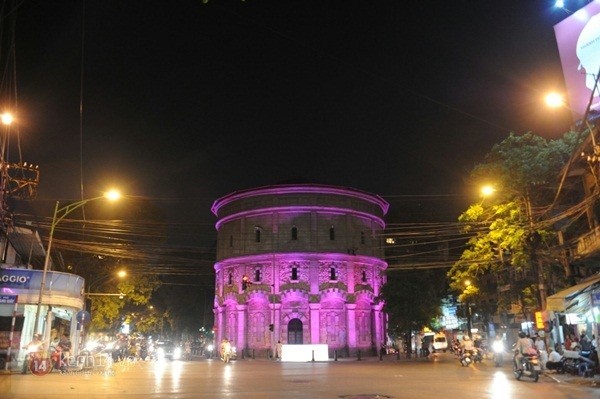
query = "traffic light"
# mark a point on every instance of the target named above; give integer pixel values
(271, 327)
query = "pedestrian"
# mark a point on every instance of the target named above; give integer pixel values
(64, 345)
(554, 361)
(540, 345)
(278, 349)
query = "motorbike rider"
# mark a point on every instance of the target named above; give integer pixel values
(225, 349)
(467, 345)
(523, 346)
(65, 351)
(35, 346)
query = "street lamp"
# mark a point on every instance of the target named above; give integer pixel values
(59, 215)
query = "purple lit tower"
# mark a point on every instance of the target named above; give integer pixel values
(313, 259)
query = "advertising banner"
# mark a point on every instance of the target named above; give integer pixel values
(15, 278)
(578, 39)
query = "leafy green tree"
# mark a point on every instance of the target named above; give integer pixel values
(509, 250)
(137, 291)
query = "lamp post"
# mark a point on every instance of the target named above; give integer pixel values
(59, 215)
(468, 311)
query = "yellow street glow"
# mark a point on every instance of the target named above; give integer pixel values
(113, 195)
(555, 100)
(6, 118)
(486, 191)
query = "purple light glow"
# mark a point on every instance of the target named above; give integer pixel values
(299, 210)
(314, 295)
(299, 189)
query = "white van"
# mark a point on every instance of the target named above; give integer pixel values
(440, 343)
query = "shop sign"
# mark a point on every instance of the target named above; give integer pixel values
(8, 299)
(15, 278)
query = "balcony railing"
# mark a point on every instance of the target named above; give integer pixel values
(587, 244)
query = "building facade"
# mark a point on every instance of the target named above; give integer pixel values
(300, 264)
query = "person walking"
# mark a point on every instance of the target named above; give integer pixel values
(540, 345)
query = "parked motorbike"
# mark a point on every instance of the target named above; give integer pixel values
(579, 363)
(498, 347)
(529, 367)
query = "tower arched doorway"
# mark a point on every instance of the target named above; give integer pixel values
(295, 335)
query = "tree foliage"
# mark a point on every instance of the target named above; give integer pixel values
(137, 291)
(506, 243)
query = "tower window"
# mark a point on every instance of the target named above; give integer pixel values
(231, 241)
(257, 235)
(230, 279)
(294, 273)
(294, 233)
(364, 276)
(332, 275)
(362, 237)
(257, 275)
(332, 233)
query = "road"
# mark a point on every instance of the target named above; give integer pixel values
(370, 378)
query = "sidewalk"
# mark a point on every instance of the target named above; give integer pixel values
(575, 379)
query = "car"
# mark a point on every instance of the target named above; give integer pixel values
(440, 343)
(167, 350)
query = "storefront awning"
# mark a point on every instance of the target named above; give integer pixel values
(559, 302)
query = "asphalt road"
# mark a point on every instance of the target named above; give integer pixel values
(442, 377)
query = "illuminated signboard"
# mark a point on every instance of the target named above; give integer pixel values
(15, 278)
(578, 39)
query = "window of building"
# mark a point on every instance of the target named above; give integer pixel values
(294, 273)
(364, 276)
(332, 275)
(362, 237)
(257, 235)
(257, 275)
(332, 233)
(294, 233)
(230, 279)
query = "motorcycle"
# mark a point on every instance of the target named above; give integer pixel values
(478, 355)
(498, 347)
(529, 367)
(466, 358)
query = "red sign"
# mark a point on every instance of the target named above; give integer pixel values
(40, 367)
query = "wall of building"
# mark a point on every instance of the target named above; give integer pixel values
(313, 258)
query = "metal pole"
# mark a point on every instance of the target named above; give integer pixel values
(469, 327)
(55, 220)
(46, 264)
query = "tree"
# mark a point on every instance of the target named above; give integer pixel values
(412, 301)
(137, 291)
(509, 245)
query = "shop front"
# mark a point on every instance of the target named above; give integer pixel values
(576, 310)
(61, 301)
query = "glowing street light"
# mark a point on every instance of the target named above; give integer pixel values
(121, 274)
(487, 190)
(6, 118)
(555, 100)
(59, 215)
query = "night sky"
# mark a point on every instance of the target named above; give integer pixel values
(184, 102)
